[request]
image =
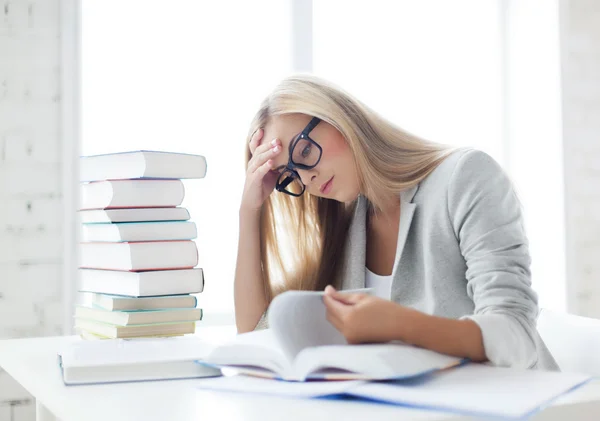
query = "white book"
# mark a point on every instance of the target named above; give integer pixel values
(131, 194)
(142, 284)
(139, 317)
(116, 302)
(120, 360)
(142, 164)
(135, 331)
(98, 216)
(153, 255)
(139, 231)
(302, 345)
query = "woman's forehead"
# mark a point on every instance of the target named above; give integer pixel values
(285, 127)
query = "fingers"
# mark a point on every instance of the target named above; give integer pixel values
(262, 154)
(336, 308)
(332, 292)
(351, 298)
(343, 298)
(257, 145)
(263, 147)
(255, 139)
(264, 168)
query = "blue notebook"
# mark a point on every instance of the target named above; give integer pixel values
(474, 390)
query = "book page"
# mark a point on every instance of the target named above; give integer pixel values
(370, 362)
(298, 320)
(252, 349)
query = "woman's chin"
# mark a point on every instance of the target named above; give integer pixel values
(339, 196)
(347, 197)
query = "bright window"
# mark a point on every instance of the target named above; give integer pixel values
(185, 76)
(432, 67)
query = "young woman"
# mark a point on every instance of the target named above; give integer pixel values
(436, 232)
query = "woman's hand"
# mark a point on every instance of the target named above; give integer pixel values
(260, 180)
(364, 318)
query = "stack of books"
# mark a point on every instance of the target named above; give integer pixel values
(138, 260)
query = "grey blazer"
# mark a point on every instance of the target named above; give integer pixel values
(462, 253)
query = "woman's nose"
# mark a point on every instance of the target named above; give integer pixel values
(306, 176)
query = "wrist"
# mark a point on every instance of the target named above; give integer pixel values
(411, 325)
(249, 213)
(461, 338)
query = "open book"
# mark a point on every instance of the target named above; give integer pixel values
(302, 345)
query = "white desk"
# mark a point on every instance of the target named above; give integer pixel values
(33, 363)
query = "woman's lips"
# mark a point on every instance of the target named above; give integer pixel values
(326, 188)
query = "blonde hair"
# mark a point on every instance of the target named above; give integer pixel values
(388, 161)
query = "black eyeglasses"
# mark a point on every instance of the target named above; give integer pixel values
(305, 154)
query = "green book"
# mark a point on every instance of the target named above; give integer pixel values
(134, 331)
(119, 302)
(139, 317)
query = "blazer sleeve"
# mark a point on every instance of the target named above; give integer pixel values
(488, 223)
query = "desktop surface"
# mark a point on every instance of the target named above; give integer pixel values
(33, 363)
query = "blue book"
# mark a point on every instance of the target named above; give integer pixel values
(473, 390)
(138, 317)
(104, 216)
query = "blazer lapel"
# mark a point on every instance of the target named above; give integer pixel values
(355, 254)
(407, 210)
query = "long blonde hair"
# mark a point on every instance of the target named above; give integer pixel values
(388, 161)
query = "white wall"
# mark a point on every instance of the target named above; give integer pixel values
(30, 183)
(580, 44)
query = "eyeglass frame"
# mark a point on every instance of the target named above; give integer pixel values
(291, 165)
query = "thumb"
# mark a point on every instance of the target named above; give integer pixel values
(331, 292)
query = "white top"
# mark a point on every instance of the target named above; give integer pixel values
(382, 285)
